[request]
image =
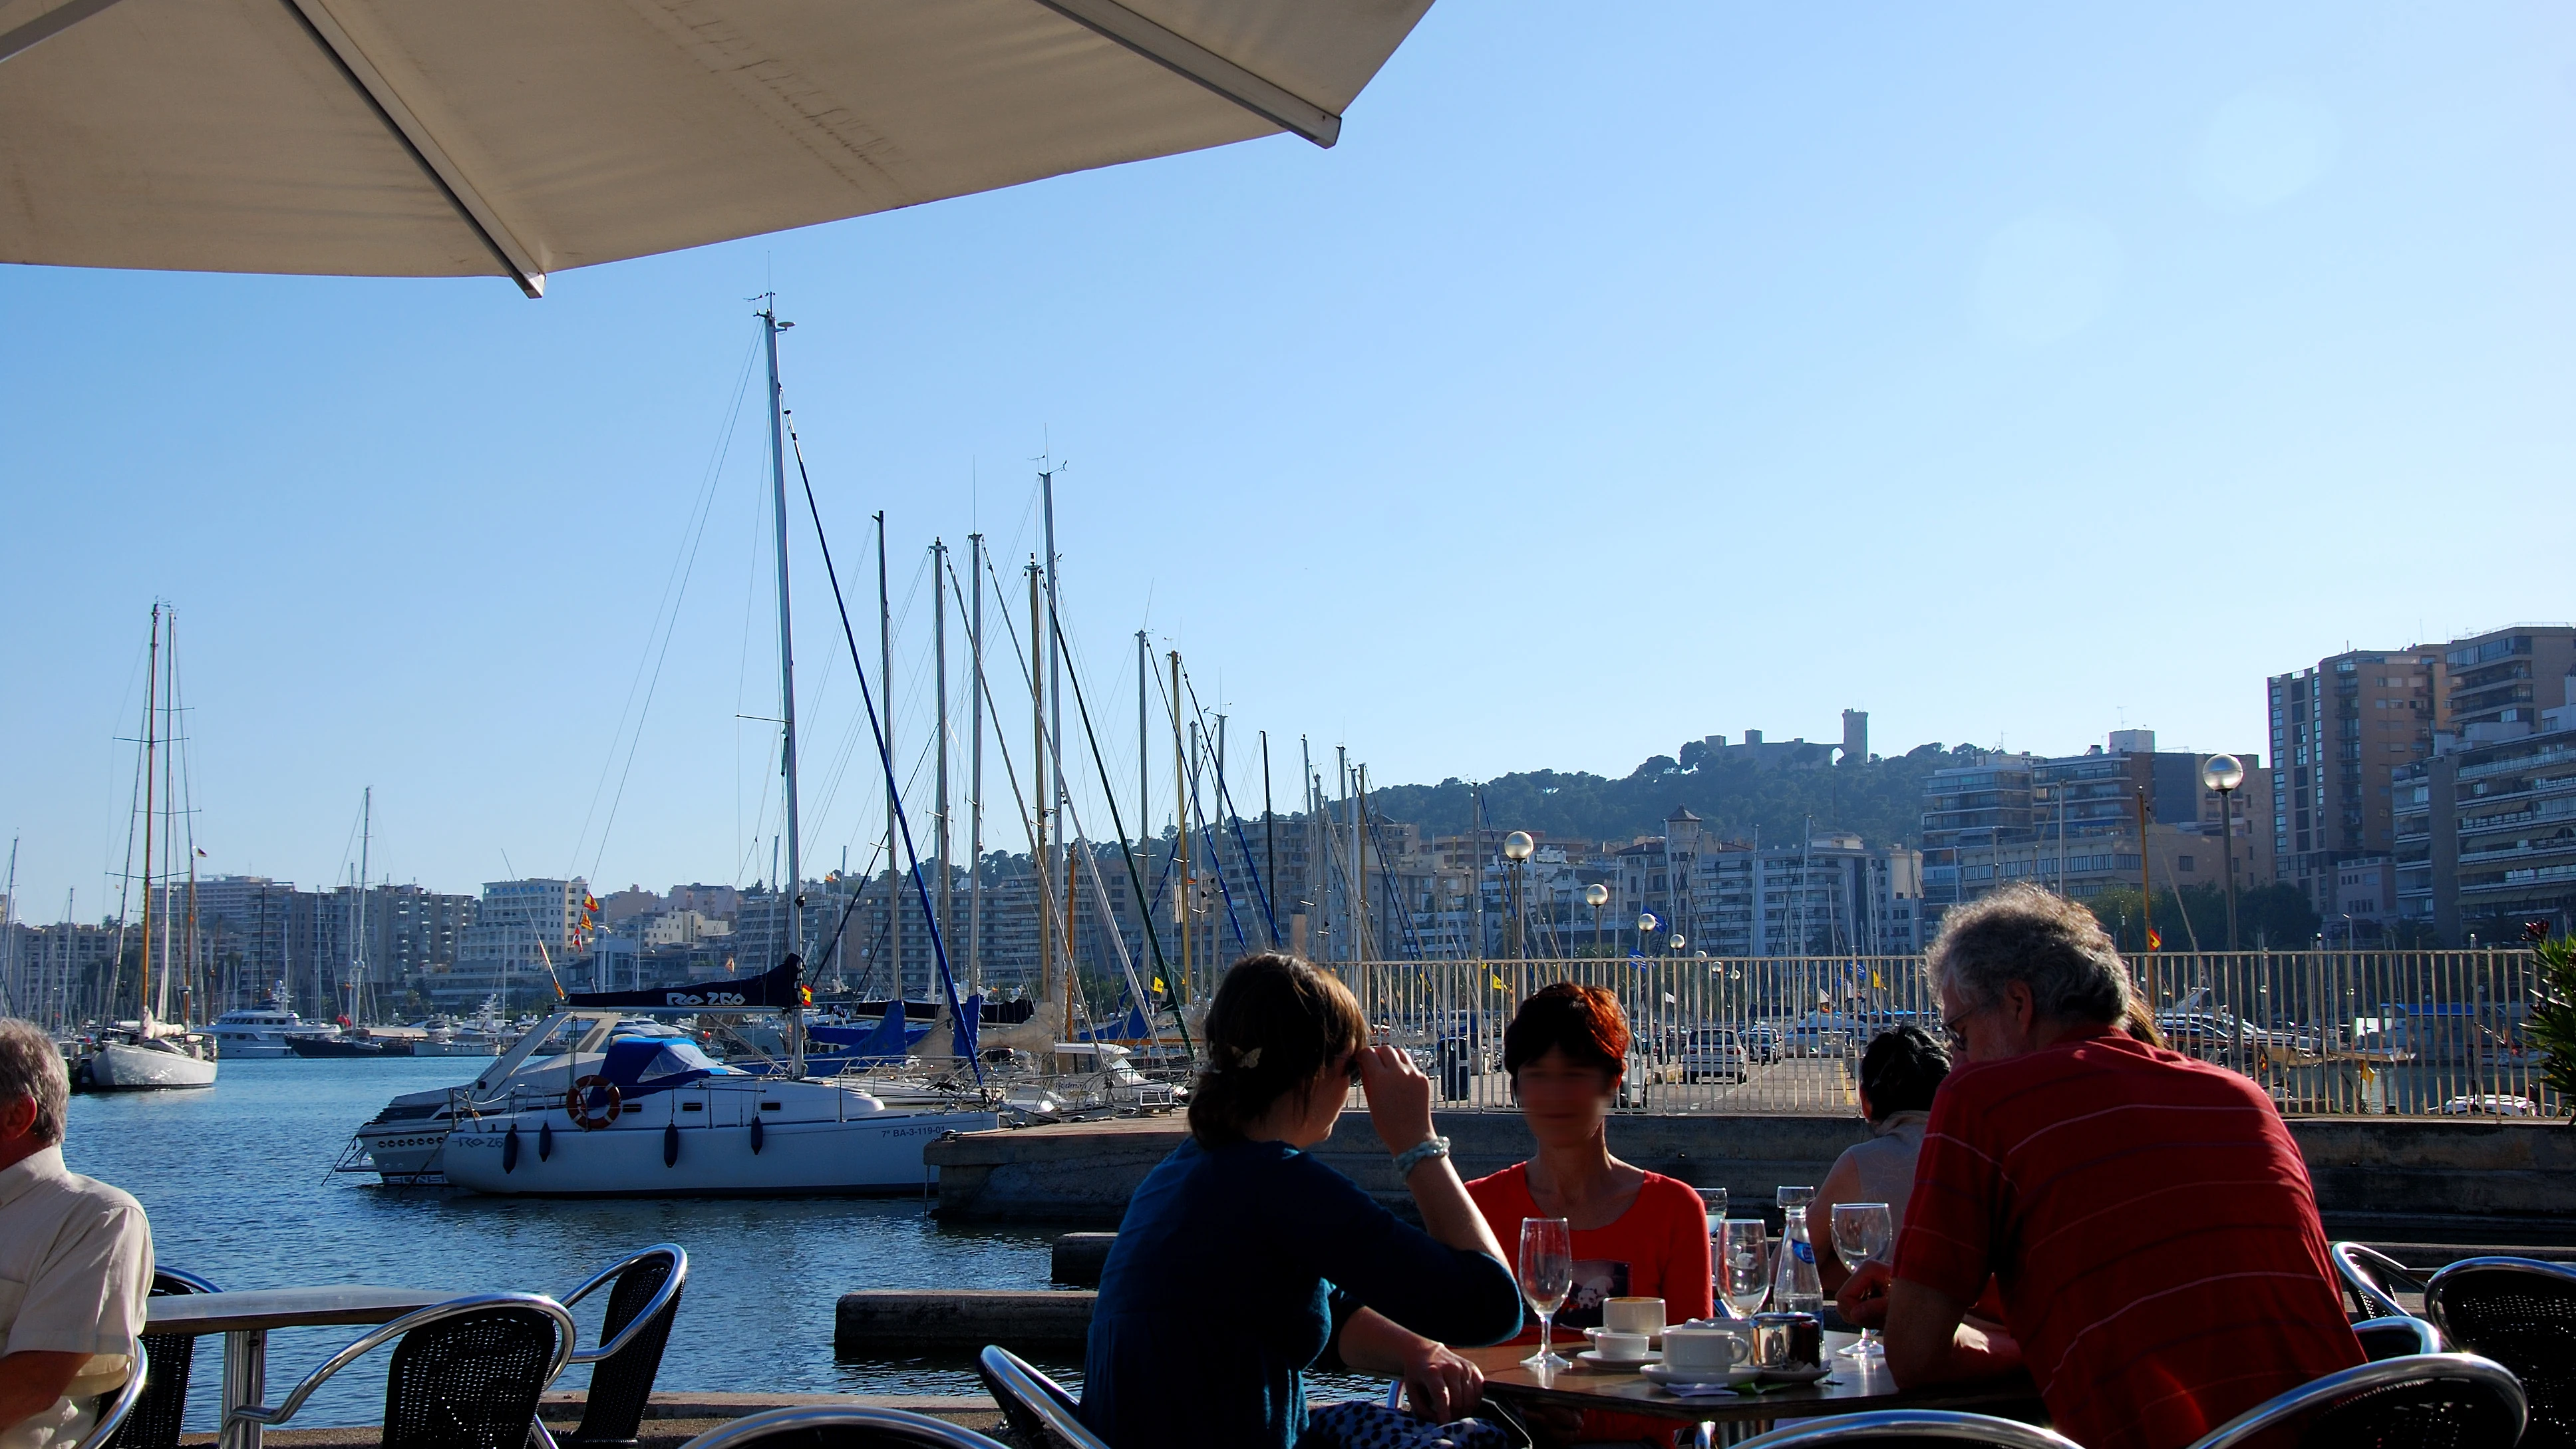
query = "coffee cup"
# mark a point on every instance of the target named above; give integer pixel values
(1633, 1315)
(1619, 1347)
(1708, 1347)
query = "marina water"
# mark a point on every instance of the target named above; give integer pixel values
(238, 1185)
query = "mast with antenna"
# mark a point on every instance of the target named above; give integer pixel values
(1181, 828)
(975, 768)
(151, 746)
(939, 648)
(770, 327)
(1038, 798)
(885, 676)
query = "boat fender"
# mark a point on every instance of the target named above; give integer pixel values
(510, 1149)
(670, 1144)
(545, 1140)
(759, 1134)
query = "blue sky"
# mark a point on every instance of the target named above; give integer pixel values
(2013, 373)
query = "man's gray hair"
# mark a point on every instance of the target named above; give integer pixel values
(2038, 938)
(32, 1066)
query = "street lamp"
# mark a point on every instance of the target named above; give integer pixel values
(2223, 773)
(1646, 923)
(1516, 849)
(1596, 895)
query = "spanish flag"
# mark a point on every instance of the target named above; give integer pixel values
(2155, 939)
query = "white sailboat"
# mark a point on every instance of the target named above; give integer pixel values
(603, 1101)
(148, 1053)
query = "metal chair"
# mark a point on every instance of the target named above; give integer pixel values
(633, 1334)
(2397, 1337)
(2422, 1401)
(154, 1424)
(853, 1428)
(1910, 1426)
(115, 1409)
(1035, 1406)
(466, 1374)
(2522, 1313)
(2368, 1274)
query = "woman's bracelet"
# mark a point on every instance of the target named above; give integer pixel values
(1418, 1154)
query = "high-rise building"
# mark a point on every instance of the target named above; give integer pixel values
(2340, 731)
(522, 930)
(2494, 685)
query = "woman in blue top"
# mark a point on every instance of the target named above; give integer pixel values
(1242, 1258)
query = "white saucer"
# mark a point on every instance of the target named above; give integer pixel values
(1672, 1378)
(1591, 1358)
(1653, 1340)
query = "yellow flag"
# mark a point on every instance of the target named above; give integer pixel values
(1158, 983)
(1874, 982)
(1499, 983)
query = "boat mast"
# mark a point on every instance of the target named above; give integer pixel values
(885, 704)
(1144, 776)
(1269, 839)
(358, 936)
(1180, 828)
(10, 987)
(1055, 713)
(151, 758)
(975, 768)
(939, 671)
(1038, 798)
(770, 327)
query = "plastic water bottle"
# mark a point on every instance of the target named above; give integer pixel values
(1795, 1287)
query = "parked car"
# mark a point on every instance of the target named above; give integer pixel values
(1761, 1045)
(2491, 1104)
(1713, 1054)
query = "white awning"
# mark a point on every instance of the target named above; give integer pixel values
(523, 137)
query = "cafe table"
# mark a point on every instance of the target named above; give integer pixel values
(1852, 1386)
(245, 1318)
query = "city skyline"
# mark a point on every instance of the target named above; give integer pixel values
(2015, 377)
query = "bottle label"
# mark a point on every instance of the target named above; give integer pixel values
(1806, 1251)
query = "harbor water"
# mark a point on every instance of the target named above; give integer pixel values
(238, 1185)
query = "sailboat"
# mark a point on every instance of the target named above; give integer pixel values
(603, 1100)
(148, 1053)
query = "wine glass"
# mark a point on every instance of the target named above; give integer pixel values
(1712, 1204)
(1862, 1231)
(1547, 1275)
(1742, 1265)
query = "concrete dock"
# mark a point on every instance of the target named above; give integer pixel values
(2465, 1180)
(880, 1322)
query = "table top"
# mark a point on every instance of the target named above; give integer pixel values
(1854, 1386)
(265, 1308)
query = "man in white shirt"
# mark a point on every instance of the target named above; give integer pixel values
(75, 1260)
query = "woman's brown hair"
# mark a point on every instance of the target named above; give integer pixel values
(1585, 1022)
(1275, 1023)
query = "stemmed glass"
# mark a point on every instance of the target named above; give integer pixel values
(1861, 1235)
(1742, 1265)
(1547, 1275)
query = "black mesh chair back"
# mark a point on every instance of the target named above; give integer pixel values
(1910, 1429)
(841, 1428)
(470, 1381)
(643, 1298)
(154, 1423)
(2425, 1401)
(1036, 1407)
(2522, 1313)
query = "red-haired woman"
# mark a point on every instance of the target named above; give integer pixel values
(1636, 1233)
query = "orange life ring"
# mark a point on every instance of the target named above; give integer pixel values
(577, 1107)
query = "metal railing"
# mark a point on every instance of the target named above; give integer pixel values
(2344, 1033)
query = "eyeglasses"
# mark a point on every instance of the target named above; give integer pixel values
(1950, 1028)
(1352, 1066)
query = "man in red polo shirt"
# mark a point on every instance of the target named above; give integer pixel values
(2146, 1216)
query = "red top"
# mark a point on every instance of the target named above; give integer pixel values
(2152, 1228)
(1658, 1248)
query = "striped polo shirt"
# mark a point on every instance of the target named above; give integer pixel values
(2152, 1229)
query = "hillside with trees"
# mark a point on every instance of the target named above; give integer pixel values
(1880, 800)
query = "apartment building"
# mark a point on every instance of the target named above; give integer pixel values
(2341, 730)
(2486, 834)
(525, 934)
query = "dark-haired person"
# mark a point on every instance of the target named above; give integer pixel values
(1899, 1072)
(2147, 1217)
(1636, 1233)
(1242, 1258)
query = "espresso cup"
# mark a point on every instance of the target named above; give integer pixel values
(1633, 1315)
(1619, 1347)
(1711, 1347)
(1788, 1341)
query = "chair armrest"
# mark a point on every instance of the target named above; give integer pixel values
(128, 1394)
(2397, 1337)
(661, 1299)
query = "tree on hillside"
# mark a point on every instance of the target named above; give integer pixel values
(1880, 800)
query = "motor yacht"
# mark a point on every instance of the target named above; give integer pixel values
(257, 1033)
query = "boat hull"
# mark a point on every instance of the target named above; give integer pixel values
(434, 1048)
(119, 1067)
(877, 1154)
